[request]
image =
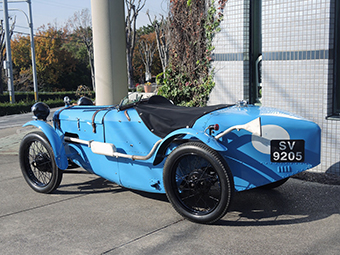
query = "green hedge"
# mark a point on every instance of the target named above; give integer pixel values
(43, 96)
(25, 100)
(23, 107)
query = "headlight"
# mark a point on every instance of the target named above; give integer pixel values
(40, 111)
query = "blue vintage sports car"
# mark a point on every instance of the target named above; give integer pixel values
(198, 157)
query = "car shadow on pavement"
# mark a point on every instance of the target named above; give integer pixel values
(154, 196)
(94, 186)
(293, 203)
(100, 185)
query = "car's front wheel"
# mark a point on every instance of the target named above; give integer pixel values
(198, 182)
(38, 164)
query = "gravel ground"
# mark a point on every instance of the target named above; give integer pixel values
(323, 178)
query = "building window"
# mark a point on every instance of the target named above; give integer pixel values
(255, 52)
(337, 60)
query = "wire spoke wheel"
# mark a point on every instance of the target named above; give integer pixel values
(198, 182)
(197, 185)
(38, 164)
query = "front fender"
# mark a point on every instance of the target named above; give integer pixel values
(187, 133)
(55, 141)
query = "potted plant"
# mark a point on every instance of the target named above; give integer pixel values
(147, 87)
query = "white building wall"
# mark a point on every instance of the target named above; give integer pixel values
(297, 66)
(232, 54)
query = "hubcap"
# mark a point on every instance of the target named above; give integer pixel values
(41, 162)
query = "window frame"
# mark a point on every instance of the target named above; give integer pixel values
(336, 74)
(255, 50)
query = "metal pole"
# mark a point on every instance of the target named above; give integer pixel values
(108, 20)
(8, 65)
(34, 70)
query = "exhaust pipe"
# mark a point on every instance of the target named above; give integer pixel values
(253, 127)
(108, 149)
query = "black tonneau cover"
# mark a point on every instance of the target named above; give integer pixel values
(162, 117)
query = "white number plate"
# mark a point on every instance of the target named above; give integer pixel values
(287, 150)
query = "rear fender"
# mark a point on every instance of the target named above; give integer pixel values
(54, 140)
(186, 133)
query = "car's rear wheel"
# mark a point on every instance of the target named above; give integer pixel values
(198, 182)
(38, 164)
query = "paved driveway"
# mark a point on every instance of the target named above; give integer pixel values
(11, 131)
(88, 215)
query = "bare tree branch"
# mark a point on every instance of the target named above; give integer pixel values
(162, 35)
(147, 51)
(133, 10)
(81, 24)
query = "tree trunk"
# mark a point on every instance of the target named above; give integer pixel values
(132, 9)
(92, 70)
(162, 34)
(1, 84)
(129, 69)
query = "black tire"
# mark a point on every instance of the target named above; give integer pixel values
(198, 182)
(274, 185)
(38, 164)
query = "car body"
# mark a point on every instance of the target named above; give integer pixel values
(198, 157)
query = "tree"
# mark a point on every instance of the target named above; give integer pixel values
(193, 24)
(55, 64)
(147, 50)
(162, 34)
(3, 47)
(133, 10)
(22, 72)
(145, 33)
(81, 26)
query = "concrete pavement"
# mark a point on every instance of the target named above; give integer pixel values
(11, 131)
(89, 215)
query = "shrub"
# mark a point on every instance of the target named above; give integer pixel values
(188, 79)
(25, 106)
